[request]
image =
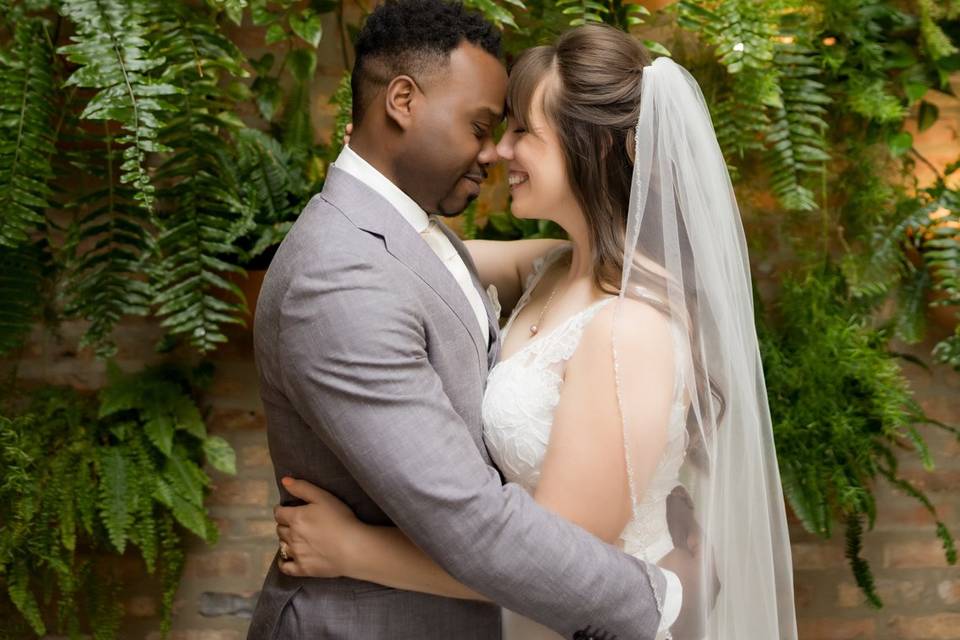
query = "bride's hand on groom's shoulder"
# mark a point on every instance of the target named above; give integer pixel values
(315, 537)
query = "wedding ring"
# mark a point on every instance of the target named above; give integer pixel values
(284, 555)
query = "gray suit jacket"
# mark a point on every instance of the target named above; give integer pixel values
(372, 370)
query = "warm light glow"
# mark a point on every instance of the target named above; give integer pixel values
(786, 39)
(942, 212)
(829, 41)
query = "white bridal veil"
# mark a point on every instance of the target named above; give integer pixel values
(685, 254)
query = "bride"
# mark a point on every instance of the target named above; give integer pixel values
(629, 362)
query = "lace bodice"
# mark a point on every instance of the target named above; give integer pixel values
(518, 408)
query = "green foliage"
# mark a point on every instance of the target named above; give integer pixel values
(496, 13)
(21, 277)
(111, 49)
(205, 207)
(83, 476)
(27, 131)
(840, 407)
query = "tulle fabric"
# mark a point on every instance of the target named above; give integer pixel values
(685, 254)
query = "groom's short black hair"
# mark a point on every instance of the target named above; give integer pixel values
(410, 37)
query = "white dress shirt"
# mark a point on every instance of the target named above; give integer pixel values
(426, 226)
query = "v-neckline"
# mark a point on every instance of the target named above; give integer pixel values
(548, 334)
(525, 298)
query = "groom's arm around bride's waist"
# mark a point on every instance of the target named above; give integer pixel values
(356, 368)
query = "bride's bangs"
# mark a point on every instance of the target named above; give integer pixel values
(526, 74)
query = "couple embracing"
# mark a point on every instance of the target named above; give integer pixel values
(603, 466)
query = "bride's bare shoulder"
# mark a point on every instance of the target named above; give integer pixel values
(639, 331)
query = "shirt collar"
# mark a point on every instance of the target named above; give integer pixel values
(352, 163)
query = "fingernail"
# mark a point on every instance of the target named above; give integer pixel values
(286, 481)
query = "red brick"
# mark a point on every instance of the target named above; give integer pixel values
(813, 555)
(942, 626)
(237, 419)
(218, 564)
(255, 456)
(935, 482)
(914, 554)
(254, 493)
(261, 529)
(141, 607)
(837, 629)
(915, 516)
(949, 591)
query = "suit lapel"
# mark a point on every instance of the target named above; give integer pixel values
(493, 322)
(373, 213)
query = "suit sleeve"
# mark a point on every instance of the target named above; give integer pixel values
(356, 369)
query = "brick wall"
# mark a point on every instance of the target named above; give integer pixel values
(921, 592)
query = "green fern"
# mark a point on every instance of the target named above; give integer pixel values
(206, 210)
(276, 185)
(861, 570)
(111, 47)
(79, 476)
(839, 404)
(105, 254)
(584, 11)
(27, 131)
(938, 43)
(797, 139)
(497, 14)
(742, 35)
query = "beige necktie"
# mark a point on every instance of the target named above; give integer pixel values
(441, 245)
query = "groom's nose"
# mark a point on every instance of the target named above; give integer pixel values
(488, 153)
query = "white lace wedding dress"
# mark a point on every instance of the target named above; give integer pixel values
(518, 406)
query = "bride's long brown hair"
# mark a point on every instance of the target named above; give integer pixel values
(593, 77)
(592, 99)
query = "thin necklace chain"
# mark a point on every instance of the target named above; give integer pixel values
(535, 327)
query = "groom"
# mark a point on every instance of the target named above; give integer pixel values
(373, 341)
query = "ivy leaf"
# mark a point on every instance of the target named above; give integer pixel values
(900, 143)
(927, 115)
(915, 90)
(308, 25)
(275, 33)
(220, 455)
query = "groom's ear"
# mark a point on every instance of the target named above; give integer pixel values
(400, 96)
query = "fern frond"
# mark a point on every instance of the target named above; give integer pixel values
(937, 41)
(116, 478)
(742, 35)
(797, 137)
(495, 13)
(27, 132)
(584, 11)
(106, 249)
(206, 211)
(861, 570)
(111, 47)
